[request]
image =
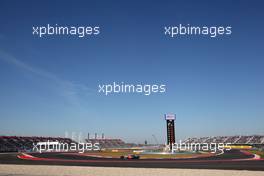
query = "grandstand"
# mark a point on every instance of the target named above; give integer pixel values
(22, 143)
(252, 139)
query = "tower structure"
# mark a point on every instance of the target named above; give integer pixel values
(170, 118)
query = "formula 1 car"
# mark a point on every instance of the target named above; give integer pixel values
(130, 157)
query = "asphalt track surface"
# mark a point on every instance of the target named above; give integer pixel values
(234, 160)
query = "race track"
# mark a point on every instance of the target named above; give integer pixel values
(234, 160)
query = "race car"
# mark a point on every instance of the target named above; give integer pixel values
(129, 157)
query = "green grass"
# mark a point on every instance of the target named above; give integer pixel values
(260, 153)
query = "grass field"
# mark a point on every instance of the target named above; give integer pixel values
(260, 153)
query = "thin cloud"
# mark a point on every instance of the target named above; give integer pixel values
(70, 90)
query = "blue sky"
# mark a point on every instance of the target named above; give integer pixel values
(49, 85)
